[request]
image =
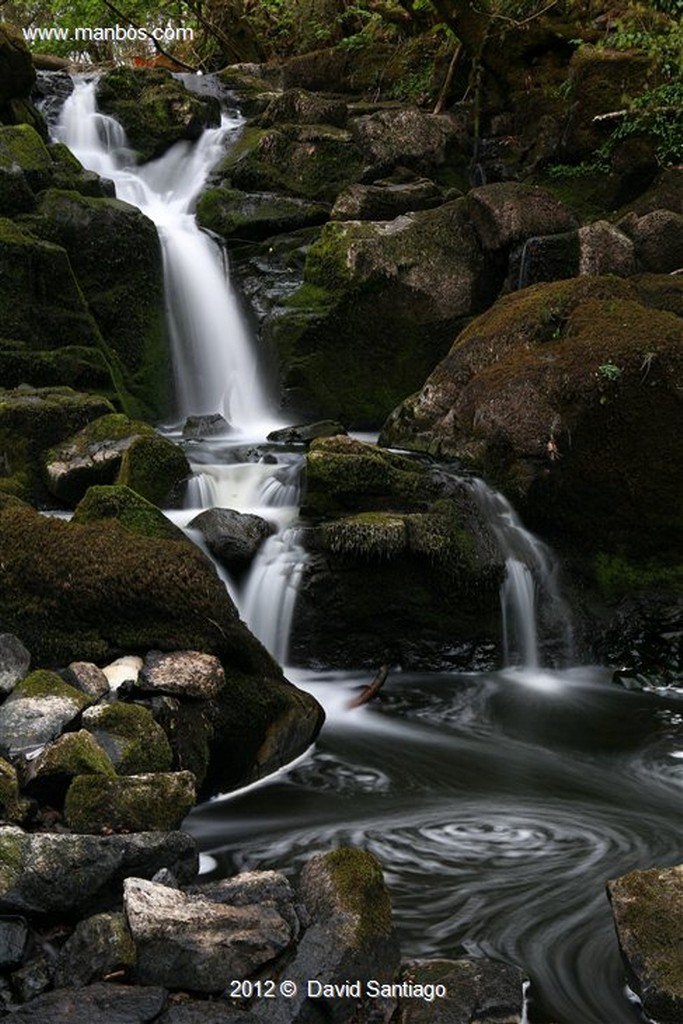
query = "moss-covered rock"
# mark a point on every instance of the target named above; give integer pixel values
(133, 512)
(49, 776)
(133, 741)
(252, 217)
(37, 711)
(310, 161)
(23, 151)
(298, 106)
(387, 198)
(566, 394)
(16, 67)
(33, 420)
(154, 108)
(133, 803)
(99, 947)
(115, 254)
(406, 137)
(12, 807)
(647, 908)
(112, 449)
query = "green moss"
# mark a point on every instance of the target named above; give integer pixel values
(21, 146)
(9, 791)
(649, 913)
(11, 857)
(75, 753)
(358, 879)
(367, 535)
(139, 803)
(133, 740)
(152, 466)
(42, 683)
(134, 513)
(618, 577)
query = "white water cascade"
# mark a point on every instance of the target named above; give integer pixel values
(530, 591)
(215, 367)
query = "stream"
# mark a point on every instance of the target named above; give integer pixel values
(498, 803)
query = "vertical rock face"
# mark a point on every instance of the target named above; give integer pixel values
(648, 911)
(17, 76)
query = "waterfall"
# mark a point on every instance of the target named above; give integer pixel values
(530, 593)
(215, 367)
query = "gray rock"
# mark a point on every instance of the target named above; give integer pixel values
(476, 990)
(14, 662)
(233, 537)
(87, 677)
(50, 873)
(33, 979)
(100, 1003)
(189, 942)
(255, 216)
(658, 240)
(603, 249)
(648, 910)
(13, 940)
(349, 937)
(260, 888)
(183, 673)
(508, 212)
(37, 711)
(210, 425)
(297, 106)
(130, 803)
(385, 200)
(405, 137)
(100, 945)
(303, 432)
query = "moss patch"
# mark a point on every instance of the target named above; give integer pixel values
(358, 879)
(131, 738)
(134, 803)
(131, 510)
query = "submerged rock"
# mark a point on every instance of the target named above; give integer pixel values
(648, 908)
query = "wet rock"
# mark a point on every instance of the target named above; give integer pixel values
(51, 90)
(99, 946)
(188, 942)
(14, 936)
(56, 873)
(14, 662)
(130, 736)
(183, 673)
(233, 537)
(88, 678)
(37, 711)
(23, 152)
(647, 908)
(476, 990)
(297, 106)
(47, 777)
(305, 432)
(206, 426)
(153, 467)
(507, 212)
(33, 979)
(115, 1004)
(154, 108)
(255, 216)
(130, 803)
(386, 200)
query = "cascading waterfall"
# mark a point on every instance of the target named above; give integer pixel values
(214, 365)
(530, 591)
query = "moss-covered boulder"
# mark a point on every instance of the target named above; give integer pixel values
(133, 803)
(32, 420)
(114, 252)
(154, 108)
(112, 449)
(37, 711)
(568, 395)
(387, 198)
(310, 161)
(95, 590)
(133, 512)
(252, 217)
(132, 740)
(17, 76)
(379, 305)
(48, 777)
(647, 908)
(407, 137)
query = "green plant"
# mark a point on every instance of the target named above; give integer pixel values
(610, 372)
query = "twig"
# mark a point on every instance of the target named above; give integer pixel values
(372, 690)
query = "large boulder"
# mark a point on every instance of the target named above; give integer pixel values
(405, 137)
(92, 590)
(154, 108)
(647, 908)
(567, 394)
(379, 303)
(252, 217)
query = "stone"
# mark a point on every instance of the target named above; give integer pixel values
(297, 106)
(87, 677)
(100, 945)
(233, 537)
(657, 239)
(14, 936)
(508, 212)
(153, 467)
(14, 662)
(405, 137)
(131, 803)
(476, 990)
(303, 433)
(123, 670)
(113, 1003)
(61, 874)
(212, 425)
(188, 942)
(16, 68)
(387, 199)
(12, 807)
(37, 711)
(133, 741)
(48, 776)
(253, 888)
(134, 513)
(183, 673)
(33, 978)
(648, 907)
(196, 1011)
(255, 216)
(23, 152)
(604, 249)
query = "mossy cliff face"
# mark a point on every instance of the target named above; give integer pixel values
(567, 395)
(154, 108)
(17, 76)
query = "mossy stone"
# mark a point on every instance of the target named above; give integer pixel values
(349, 882)
(11, 808)
(74, 753)
(131, 738)
(253, 217)
(152, 466)
(12, 848)
(136, 514)
(133, 803)
(22, 147)
(17, 74)
(43, 683)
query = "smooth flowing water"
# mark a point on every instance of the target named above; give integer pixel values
(498, 803)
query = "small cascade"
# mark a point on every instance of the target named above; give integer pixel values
(215, 367)
(530, 595)
(269, 597)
